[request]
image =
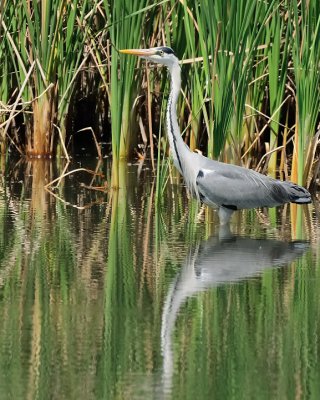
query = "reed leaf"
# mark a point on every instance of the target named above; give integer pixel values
(306, 56)
(278, 29)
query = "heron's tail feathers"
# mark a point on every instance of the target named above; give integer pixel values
(297, 194)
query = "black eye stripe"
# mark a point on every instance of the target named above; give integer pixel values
(166, 50)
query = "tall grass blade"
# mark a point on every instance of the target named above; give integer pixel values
(306, 56)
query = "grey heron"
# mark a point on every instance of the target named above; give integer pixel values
(228, 187)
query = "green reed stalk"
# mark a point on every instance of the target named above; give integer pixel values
(196, 77)
(7, 82)
(5, 79)
(162, 173)
(255, 104)
(278, 30)
(306, 56)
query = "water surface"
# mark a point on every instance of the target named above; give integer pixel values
(113, 295)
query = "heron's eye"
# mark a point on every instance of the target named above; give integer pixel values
(161, 53)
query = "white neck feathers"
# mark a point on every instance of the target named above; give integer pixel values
(177, 145)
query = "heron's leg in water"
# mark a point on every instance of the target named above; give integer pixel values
(224, 215)
(225, 233)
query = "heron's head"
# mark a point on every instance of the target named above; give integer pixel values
(159, 55)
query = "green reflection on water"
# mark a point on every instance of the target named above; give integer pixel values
(124, 299)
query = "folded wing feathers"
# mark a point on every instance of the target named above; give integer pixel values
(247, 189)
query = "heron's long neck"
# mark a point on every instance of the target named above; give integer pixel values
(177, 145)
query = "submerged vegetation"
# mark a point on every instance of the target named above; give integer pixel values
(251, 80)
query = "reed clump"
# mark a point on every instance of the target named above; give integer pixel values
(251, 81)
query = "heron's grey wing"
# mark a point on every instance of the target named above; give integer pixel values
(236, 187)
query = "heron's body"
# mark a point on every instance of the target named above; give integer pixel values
(228, 187)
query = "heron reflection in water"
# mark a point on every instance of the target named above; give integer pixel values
(218, 260)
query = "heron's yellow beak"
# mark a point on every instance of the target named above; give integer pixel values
(139, 52)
